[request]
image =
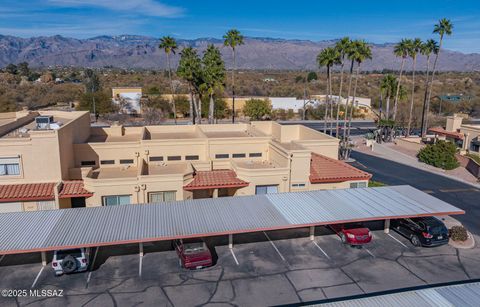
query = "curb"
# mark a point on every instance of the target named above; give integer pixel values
(420, 168)
(461, 246)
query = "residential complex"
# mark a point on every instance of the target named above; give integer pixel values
(466, 136)
(54, 159)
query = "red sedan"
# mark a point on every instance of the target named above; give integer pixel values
(193, 254)
(352, 234)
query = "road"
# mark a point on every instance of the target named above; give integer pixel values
(459, 194)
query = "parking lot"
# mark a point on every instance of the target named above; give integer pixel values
(263, 268)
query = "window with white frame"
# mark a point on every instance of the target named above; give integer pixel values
(158, 197)
(266, 189)
(358, 184)
(114, 200)
(10, 166)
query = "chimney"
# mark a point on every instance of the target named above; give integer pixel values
(453, 123)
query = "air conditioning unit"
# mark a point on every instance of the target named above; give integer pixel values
(43, 122)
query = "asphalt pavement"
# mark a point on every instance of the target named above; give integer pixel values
(459, 194)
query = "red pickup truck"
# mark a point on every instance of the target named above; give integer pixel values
(193, 254)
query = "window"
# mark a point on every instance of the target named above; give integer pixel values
(154, 159)
(116, 200)
(87, 163)
(191, 158)
(9, 166)
(157, 197)
(255, 154)
(174, 158)
(126, 161)
(298, 185)
(358, 184)
(239, 155)
(107, 162)
(46, 205)
(266, 189)
(222, 156)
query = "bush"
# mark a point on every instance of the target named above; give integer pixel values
(257, 108)
(458, 233)
(440, 154)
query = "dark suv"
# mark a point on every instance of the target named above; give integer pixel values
(422, 231)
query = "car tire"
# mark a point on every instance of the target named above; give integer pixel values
(343, 237)
(415, 241)
(69, 264)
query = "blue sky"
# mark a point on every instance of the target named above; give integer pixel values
(375, 21)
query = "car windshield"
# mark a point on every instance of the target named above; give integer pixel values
(191, 248)
(77, 252)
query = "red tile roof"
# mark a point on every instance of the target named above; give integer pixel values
(441, 131)
(327, 170)
(215, 179)
(73, 189)
(27, 191)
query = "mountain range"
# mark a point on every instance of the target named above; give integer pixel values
(141, 52)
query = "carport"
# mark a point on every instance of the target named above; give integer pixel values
(42, 231)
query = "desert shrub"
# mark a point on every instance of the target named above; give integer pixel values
(440, 154)
(257, 108)
(458, 233)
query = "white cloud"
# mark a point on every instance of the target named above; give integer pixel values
(144, 7)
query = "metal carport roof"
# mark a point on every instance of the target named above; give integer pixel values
(22, 232)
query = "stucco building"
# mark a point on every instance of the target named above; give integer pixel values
(66, 163)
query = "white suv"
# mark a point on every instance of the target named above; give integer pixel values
(70, 261)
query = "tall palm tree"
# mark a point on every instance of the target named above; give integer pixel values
(213, 74)
(413, 50)
(352, 54)
(388, 85)
(232, 39)
(327, 58)
(169, 45)
(400, 50)
(429, 47)
(342, 47)
(364, 52)
(189, 68)
(442, 28)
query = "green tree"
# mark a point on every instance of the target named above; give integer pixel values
(232, 39)
(11, 69)
(183, 106)
(400, 50)
(388, 85)
(429, 47)
(190, 70)
(442, 28)
(213, 75)
(343, 47)
(312, 76)
(414, 48)
(103, 103)
(23, 69)
(327, 58)
(169, 45)
(220, 106)
(257, 109)
(92, 86)
(440, 154)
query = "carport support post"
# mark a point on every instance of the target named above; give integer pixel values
(44, 258)
(140, 247)
(230, 241)
(386, 226)
(312, 233)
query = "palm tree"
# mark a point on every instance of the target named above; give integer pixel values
(232, 39)
(388, 85)
(429, 47)
(352, 54)
(190, 69)
(400, 50)
(413, 50)
(169, 45)
(442, 28)
(213, 74)
(364, 52)
(342, 47)
(327, 58)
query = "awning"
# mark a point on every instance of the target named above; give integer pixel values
(27, 192)
(441, 131)
(214, 180)
(327, 170)
(24, 232)
(73, 189)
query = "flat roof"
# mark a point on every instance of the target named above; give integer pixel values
(114, 172)
(167, 169)
(226, 134)
(23, 232)
(32, 126)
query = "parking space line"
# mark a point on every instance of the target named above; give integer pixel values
(318, 246)
(38, 276)
(234, 257)
(91, 267)
(397, 240)
(368, 251)
(274, 246)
